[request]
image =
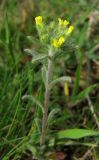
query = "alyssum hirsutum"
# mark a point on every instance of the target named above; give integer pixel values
(54, 35)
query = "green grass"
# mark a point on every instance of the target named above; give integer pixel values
(20, 120)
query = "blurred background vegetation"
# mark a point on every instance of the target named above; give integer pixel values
(18, 76)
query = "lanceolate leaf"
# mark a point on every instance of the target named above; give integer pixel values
(78, 75)
(76, 133)
(39, 57)
(31, 52)
(36, 56)
(34, 100)
(85, 93)
(38, 124)
(60, 79)
(52, 115)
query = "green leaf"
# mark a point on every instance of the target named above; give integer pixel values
(52, 115)
(38, 103)
(76, 133)
(60, 79)
(33, 40)
(30, 38)
(85, 93)
(44, 71)
(39, 57)
(92, 55)
(31, 52)
(78, 74)
(36, 56)
(38, 124)
(32, 148)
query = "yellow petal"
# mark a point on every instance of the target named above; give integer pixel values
(61, 22)
(66, 22)
(70, 29)
(55, 43)
(38, 20)
(61, 40)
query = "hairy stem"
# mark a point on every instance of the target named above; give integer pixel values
(46, 101)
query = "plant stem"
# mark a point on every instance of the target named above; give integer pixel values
(46, 101)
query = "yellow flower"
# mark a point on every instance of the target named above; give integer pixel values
(55, 43)
(38, 20)
(58, 43)
(62, 22)
(61, 40)
(66, 22)
(70, 29)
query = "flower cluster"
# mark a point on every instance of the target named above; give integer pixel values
(57, 43)
(62, 22)
(54, 34)
(39, 20)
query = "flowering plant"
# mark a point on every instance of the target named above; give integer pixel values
(54, 36)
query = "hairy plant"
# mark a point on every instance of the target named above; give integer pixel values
(53, 36)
